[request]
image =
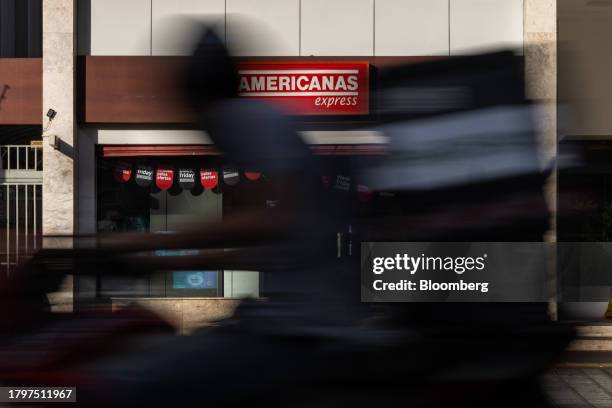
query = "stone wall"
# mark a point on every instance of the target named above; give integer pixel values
(186, 314)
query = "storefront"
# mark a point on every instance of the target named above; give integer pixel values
(155, 175)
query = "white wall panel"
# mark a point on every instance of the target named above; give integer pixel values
(477, 25)
(411, 27)
(120, 27)
(263, 27)
(175, 23)
(339, 27)
(151, 136)
(240, 284)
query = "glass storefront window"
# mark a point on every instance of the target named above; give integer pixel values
(585, 193)
(165, 194)
(159, 195)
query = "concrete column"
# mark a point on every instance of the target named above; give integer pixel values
(540, 39)
(540, 43)
(59, 40)
(58, 199)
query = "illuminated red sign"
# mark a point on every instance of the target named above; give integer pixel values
(309, 88)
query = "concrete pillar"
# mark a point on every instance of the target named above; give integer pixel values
(540, 39)
(59, 43)
(59, 198)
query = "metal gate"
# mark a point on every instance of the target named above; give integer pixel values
(20, 203)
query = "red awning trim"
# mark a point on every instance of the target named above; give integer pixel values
(200, 150)
(169, 150)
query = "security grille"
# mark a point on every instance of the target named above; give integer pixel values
(20, 203)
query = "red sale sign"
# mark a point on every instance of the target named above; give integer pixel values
(309, 87)
(252, 175)
(123, 172)
(209, 178)
(164, 177)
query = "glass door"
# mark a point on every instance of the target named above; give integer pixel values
(175, 211)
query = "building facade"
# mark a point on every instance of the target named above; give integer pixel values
(106, 69)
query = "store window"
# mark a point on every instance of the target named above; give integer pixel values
(162, 195)
(165, 194)
(156, 195)
(585, 193)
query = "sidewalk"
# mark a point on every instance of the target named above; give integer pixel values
(579, 387)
